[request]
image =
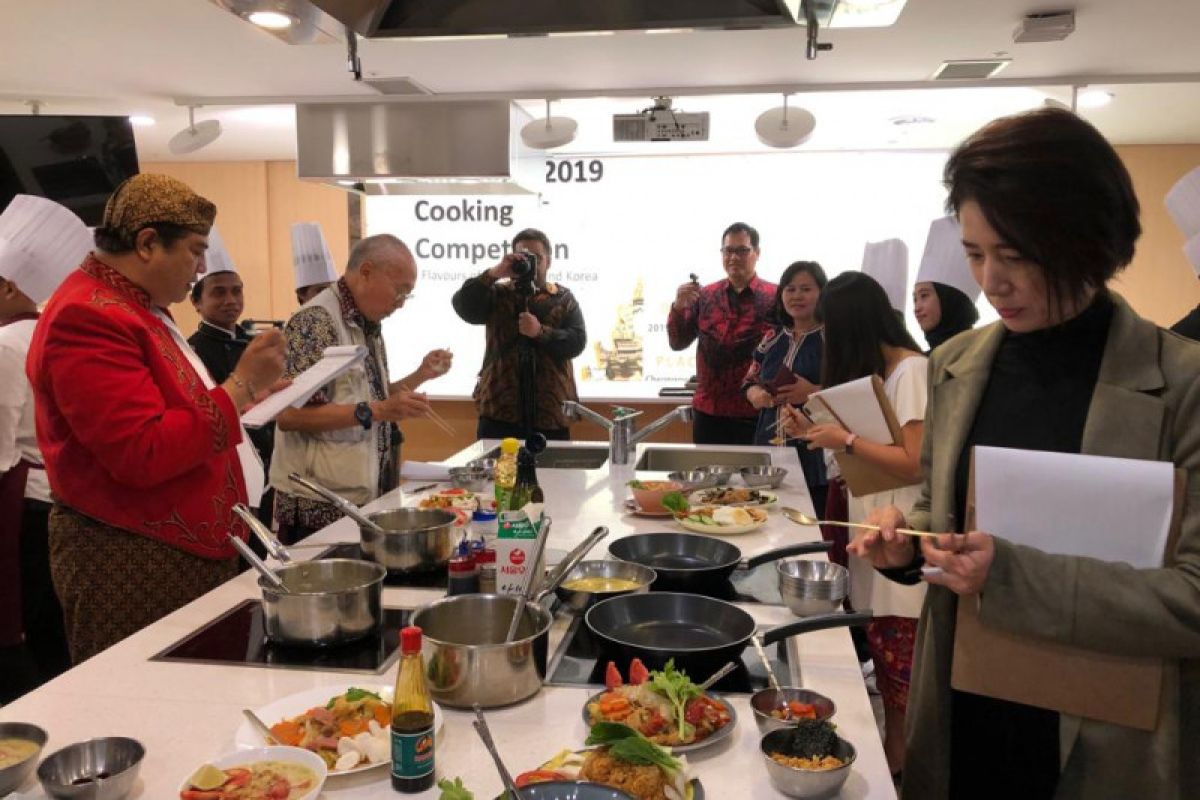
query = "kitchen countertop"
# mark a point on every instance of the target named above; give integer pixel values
(186, 714)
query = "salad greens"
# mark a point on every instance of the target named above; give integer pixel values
(354, 694)
(677, 687)
(676, 502)
(626, 744)
(454, 791)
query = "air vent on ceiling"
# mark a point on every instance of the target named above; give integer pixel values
(970, 70)
(397, 86)
(1049, 27)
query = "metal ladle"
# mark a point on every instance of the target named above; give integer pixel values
(800, 518)
(349, 509)
(729, 667)
(481, 727)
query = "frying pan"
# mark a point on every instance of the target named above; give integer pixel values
(694, 562)
(699, 632)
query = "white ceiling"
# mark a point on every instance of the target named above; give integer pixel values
(141, 56)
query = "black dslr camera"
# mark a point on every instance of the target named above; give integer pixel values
(524, 269)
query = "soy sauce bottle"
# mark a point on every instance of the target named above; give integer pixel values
(412, 719)
(526, 489)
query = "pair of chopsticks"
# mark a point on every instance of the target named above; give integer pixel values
(436, 418)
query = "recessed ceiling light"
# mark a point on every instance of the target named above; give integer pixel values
(141, 120)
(271, 20)
(1094, 98)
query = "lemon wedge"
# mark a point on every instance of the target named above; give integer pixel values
(207, 778)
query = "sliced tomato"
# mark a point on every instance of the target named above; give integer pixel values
(638, 674)
(279, 789)
(612, 676)
(653, 725)
(694, 711)
(236, 777)
(537, 776)
(196, 794)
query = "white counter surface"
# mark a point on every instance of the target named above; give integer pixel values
(185, 714)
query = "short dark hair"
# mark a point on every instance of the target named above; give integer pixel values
(741, 227)
(859, 320)
(533, 235)
(1054, 188)
(778, 315)
(115, 241)
(198, 289)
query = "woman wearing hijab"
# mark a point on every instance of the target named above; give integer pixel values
(1069, 368)
(945, 292)
(787, 365)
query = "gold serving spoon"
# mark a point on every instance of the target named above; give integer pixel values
(800, 518)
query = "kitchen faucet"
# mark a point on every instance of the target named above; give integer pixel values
(622, 439)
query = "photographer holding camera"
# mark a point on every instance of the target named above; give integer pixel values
(534, 329)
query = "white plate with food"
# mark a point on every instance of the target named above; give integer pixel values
(722, 520)
(461, 502)
(337, 720)
(736, 496)
(600, 765)
(286, 773)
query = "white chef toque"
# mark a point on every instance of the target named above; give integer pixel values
(311, 259)
(1183, 203)
(41, 242)
(216, 258)
(945, 261)
(887, 263)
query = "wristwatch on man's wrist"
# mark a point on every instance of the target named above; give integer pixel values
(364, 415)
(849, 447)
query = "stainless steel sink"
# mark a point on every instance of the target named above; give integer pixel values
(571, 457)
(663, 460)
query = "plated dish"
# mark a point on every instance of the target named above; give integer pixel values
(722, 520)
(334, 722)
(663, 705)
(732, 496)
(461, 502)
(263, 773)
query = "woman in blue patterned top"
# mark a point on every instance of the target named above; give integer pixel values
(787, 365)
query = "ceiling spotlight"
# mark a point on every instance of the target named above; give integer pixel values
(195, 135)
(1094, 98)
(783, 127)
(141, 120)
(271, 20)
(548, 133)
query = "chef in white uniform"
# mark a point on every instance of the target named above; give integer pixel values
(311, 261)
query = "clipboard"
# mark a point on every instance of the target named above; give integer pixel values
(861, 476)
(334, 361)
(1124, 690)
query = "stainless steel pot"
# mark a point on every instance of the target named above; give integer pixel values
(413, 539)
(319, 603)
(467, 658)
(327, 602)
(403, 540)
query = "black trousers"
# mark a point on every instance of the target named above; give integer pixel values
(489, 428)
(44, 654)
(709, 429)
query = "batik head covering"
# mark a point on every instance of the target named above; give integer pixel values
(146, 199)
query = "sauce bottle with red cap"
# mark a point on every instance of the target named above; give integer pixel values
(412, 719)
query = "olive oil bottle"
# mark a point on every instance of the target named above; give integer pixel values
(412, 719)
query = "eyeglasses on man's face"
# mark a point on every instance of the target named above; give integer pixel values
(739, 252)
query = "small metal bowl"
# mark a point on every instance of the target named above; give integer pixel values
(694, 479)
(807, 784)
(766, 700)
(810, 588)
(581, 601)
(763, 476)
(11, 777)
(488, 465)
(98, 769)
(719, 473)
(473, 479)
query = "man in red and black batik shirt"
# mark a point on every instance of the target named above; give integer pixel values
(729, 318)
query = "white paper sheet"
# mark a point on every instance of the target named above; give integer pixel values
(334, 361)
(1113, 509)
(858, 408)
(424, 471)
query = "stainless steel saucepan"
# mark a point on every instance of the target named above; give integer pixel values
(323, 603)
(403, 540)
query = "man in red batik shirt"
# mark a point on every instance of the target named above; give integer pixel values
(729, 318)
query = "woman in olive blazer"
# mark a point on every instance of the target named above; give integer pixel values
(1048, 216)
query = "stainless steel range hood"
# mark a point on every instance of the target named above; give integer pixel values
(416, 18)
(456, 147)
